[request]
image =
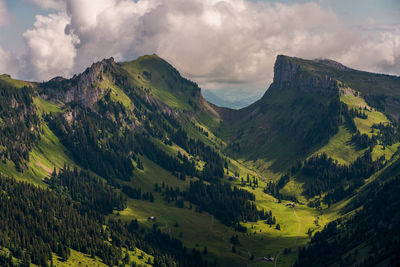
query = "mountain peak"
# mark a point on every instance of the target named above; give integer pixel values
(285, 70)
(331, 63)
(81, 88)
(292, 72)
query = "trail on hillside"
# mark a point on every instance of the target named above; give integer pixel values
(295, 241)
(298, 230)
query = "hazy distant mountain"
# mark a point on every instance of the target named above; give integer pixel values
(233, 101)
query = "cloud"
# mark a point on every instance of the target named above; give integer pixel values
(3, 13)
(379, 52)
(9, 63)
(51, 52)
(218, 43)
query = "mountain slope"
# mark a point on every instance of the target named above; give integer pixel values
(301, 111)
(140, 141)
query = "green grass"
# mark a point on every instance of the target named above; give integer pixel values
(117, 94)
(6, 80)
(294, 188)
(77, 258)
(340, 147)
(154, 174)
(45, 106)
(49, 153)
(201, 230)
(162, 84)
(374, 117)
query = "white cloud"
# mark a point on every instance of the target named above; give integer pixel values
(378, 51)
(51, 52)
(9, 63)
(218, 43)
(3, 13)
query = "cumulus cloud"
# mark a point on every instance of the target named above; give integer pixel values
(3, 13)
(218, 43)
(377, 52)
(9, 63)
(51, 51)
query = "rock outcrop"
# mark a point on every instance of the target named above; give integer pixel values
(290, 73)
(82, 89)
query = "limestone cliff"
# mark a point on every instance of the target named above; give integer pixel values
(292, 73)
(81, 89)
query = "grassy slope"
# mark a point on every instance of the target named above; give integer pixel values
(367, 83)
(340, 146)
(49, 152)
(80, 259)
(6, 80)
(201, 230)
(117, 94)
(163, 83)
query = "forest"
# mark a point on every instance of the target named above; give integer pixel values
(330, 176)
(19, 125)
(373, 225)
(231, 206)
(40, 222)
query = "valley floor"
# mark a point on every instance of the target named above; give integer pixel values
(202, 230)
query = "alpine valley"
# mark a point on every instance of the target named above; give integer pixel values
(126, 164)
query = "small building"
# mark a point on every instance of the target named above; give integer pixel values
(290, 204)
(151, 218)
(267, 259)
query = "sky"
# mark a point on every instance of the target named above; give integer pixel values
(223, 45)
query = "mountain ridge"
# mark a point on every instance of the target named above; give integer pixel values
(181, 166)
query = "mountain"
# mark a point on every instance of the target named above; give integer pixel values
(303, 109)
(153, 174)
(222, 99)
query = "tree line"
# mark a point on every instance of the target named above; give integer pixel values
(19, 125)
(230, 205)
(37, 222)
(330, 176)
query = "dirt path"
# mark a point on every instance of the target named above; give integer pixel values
(298, 230)
(295, 241)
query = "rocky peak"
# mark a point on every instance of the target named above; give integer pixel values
(83, 88)
(331, 63)
(285, 70)
(297, 73)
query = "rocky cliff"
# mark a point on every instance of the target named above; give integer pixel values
(291, 73)
(83, 88)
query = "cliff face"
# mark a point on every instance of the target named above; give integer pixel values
(290, 73)
(81, 89)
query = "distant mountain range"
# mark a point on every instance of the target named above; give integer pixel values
(128, 164)
(222, 100)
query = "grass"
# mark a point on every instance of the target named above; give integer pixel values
(340, 147)
(163, 83)
(6, 80)
(45, 106)
(77, 258)
(117, 94)
(49, 153)
(260, 156)
(199, 230)
(154, 174)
